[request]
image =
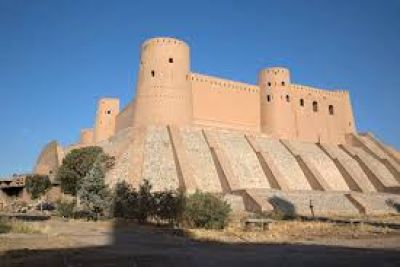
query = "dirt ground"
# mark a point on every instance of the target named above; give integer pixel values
(110, 243)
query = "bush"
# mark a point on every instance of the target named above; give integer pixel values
(65, 208)
(143, 204)
(204, 210)
(37, 185)
(77, 164)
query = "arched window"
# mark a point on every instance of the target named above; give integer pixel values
(287, 98)
(331, 111)
(283, 83)
(269, 83)
(302, 102)
(268, 98)
(315, 106)
(152, 73)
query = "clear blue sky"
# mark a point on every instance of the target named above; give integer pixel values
(58, 57)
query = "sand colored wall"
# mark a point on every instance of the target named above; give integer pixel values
(125, 117)
(49, 159)
(224, 103)
(107, 111)
(287, 110)
(86, 137)
(163, 93)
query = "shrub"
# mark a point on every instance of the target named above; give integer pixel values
(65, 208)
(77, 164)
(37, 185)
(125, 200)
(169, 206)
(204, 210)
(143, 204)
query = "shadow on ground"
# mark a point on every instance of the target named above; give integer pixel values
(166, 247)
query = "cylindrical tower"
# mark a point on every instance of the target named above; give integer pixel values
(107, 111)
(163, 93)
(277, 116)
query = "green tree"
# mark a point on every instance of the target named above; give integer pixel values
(93, 193)
(37, 185)
(77, 164)
(205, 210)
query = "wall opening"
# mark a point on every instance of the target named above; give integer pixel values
(287, 98)
(108, 112)
(302, 102)
(171, 60)
(283, 83)
(315, 106)
(331, 111)
(269, 83)
(268, 98)
(152, 73)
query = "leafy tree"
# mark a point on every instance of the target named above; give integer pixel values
(77, 164)
(37, 185)
(145, 202)
(93, 193)
(205, 210)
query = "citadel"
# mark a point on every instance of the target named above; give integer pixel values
(261, 146)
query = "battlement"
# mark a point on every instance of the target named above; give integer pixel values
(163, 40)
(223, 83)
(319, 92)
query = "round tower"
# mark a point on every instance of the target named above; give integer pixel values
(163, 93)
(277, 117)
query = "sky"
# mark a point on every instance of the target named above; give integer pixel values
(57, 58)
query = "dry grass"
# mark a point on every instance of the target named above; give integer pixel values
(287, 231)
(14, 226)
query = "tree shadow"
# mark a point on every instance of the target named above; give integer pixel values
(283, 207)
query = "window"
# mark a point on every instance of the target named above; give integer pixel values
(108, 112)
(152, 73)
(268, 98)
(283, 83)
(287, 98)
(269, 83)
(171, 60)
(331, 110)
(302, 102)
(315, 106)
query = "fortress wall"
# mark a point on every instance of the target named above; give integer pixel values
(204, 170)
(158, 160)
(224, 103)
(291, 111)
(285, 162)
(374, 166)
(298, 202)
(351, 168)
(325, 166)
(86, 137)
(125, 117)
(243, 160)
(49, 159)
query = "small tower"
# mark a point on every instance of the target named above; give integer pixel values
(163, 93)
(277, 116)
(107, 111)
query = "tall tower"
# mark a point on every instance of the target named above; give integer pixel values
(163, 93)
(277, 116)
(107, 111)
